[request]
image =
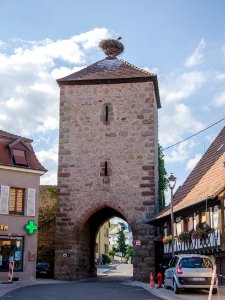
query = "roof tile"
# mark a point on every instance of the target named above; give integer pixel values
(207, 179)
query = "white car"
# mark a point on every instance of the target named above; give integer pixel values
(189, 271)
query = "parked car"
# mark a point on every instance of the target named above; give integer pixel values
(189, 271)
(43, 269)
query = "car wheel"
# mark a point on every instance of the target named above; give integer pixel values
(215, 291)
(166, 287)
(175, 288)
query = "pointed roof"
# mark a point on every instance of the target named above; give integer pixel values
(111, 70)
(12, 136)
(9, 141)
(207, 179)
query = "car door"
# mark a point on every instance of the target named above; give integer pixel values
(169, 272)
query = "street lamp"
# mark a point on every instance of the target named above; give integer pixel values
(172, 183)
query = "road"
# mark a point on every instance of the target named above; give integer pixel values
(107, 286)
(86, 290)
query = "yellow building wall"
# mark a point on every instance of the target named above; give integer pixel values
(102, 241)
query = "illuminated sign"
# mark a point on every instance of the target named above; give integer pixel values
(31, 227)
(4, 227)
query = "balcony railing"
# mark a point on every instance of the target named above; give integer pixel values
(213, 239)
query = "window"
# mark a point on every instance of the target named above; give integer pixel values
(106, 232)
(16, 201)
(11, 248)
(96, 247)
(106, 249)
(215, 217)
(178, 228)
(105, 169)
(195, 262)
(106, 113)
(19, 157)
(12, 201)
(202, 217)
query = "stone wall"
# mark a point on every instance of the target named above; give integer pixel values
(46, 231)
(127, 141)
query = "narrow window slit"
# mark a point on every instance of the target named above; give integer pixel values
(106, 168)
(107, 113)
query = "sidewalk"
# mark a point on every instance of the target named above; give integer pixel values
(8, 287)
(168, 294)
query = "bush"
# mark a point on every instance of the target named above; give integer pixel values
(106, 259)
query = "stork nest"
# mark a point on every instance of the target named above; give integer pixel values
(111, 47)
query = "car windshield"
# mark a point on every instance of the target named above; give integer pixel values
(195, 262)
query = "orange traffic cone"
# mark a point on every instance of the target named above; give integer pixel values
(152, 283)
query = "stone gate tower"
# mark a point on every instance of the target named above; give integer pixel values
(107, 162)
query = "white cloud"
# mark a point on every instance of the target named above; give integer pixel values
(49, 159)
(220, 76)
(180, 153)
(197, 56)
(181, 86)
(176, 123)
(219, 99)
(193, 161)
(29, 94)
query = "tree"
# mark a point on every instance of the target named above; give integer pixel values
(121, 245)
(129, 253)
(162, 183)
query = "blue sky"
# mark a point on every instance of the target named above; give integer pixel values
(182, 41)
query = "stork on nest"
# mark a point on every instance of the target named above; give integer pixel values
(112, 47)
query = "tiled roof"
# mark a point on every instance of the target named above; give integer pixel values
(12, 136)
(111, 70)
(7, 139)
(206, 180)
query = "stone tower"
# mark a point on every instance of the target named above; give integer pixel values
(108, 148)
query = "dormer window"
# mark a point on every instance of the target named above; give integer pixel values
(19, 157)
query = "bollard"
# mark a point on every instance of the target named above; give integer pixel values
(152, 283)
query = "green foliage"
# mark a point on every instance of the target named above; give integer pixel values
(112, 226)
(106, 259)
(52, 191)
(121, 245)
(112, 252)
(129, 252)
(162, 183)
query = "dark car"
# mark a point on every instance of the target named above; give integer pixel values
(43, 269)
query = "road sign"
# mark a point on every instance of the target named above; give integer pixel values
(137, 243)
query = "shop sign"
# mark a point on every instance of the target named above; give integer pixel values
(4, 227)
(31, 227)
(9, 237)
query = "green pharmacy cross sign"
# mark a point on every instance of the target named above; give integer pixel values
(31, 227)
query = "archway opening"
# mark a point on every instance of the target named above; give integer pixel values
(101, 238)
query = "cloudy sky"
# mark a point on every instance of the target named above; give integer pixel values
(182, 41)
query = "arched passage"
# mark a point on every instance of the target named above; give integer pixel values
(88, 235)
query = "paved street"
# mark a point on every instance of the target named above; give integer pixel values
(91, 289)
(113, 282)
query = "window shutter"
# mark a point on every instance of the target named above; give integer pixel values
(31, 202)
(4, 200)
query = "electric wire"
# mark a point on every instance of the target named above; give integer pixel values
(193, 135)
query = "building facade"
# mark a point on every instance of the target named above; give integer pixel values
(102, 242)
(20, 173)
(199, 223)
(107, 162)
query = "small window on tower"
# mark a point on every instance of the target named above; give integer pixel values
(19, 157)
(107, 113)
(105, 169)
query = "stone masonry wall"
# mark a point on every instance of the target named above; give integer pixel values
(128, 142)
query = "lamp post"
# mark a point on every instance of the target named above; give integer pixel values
(172, 183)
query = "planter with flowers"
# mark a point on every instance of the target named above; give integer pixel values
(201, 232)
(184, 236)
(167, 239)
